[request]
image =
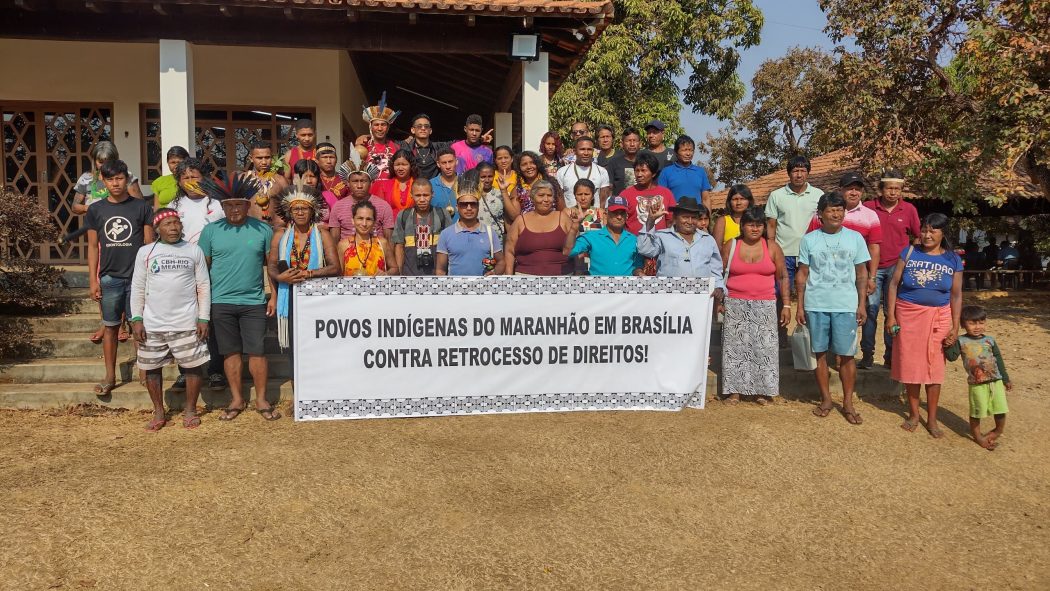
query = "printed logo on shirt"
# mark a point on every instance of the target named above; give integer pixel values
(117, 229)
(925, 272)
(170, 264)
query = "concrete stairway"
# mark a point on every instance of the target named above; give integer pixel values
(68, 364)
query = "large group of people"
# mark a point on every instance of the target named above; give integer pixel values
(229, 248)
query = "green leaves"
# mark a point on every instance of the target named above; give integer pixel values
(628, 76)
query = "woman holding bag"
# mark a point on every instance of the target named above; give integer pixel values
(750, 356)
(923, 306)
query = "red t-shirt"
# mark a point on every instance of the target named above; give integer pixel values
(387, 190)
(899, 227)
(639, 202)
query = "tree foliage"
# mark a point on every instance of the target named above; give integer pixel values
(957, 92)
(794, 99)
(628, 76)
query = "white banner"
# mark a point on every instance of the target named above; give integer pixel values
(429, 346)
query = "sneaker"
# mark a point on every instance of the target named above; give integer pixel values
(180, 384)
(217, 381)
(866, 362)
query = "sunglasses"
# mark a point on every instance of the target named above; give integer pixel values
(466, 204)
(579, 131)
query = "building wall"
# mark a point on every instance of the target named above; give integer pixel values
(72, 71)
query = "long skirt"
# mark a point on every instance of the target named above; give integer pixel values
(750, 357)
(918, 349)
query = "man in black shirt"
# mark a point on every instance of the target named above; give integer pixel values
(423, 150)
(621, 166)
(117, 227)
(654, 139)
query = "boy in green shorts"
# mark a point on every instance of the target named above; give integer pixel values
(985, 372)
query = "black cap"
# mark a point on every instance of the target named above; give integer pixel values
(657, 124)
(852, 178)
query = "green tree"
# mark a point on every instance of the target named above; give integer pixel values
(957, 92)
(794, 98)
(628, 76)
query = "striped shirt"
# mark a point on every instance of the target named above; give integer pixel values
(860, 219)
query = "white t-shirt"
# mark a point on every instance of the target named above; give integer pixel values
(570, 173)
(170, 288)
(197, 213)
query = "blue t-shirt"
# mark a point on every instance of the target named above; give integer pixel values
(927, 279)
(444, 198)
(609, 257)
(832, 261)
(466, 249)
(684, 181)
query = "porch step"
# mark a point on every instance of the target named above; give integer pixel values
(131, 395)
(63, 344)
(82, 369)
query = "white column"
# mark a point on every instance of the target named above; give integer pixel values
(176, 94)
(504, 125)
(535, 101)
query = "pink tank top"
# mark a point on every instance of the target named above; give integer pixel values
(752, 281)
(539, 253)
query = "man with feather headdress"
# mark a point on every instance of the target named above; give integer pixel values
(236, 249)
(380, 149)
(358, 174)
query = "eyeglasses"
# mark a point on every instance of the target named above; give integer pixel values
(466, 204)
(579, 131)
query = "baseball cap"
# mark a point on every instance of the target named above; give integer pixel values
(616, 203)
(851, 178)
(656, 123)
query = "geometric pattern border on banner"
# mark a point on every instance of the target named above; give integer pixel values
(494, 404)
(442, 406)
(512, 285)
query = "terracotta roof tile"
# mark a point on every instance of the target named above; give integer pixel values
(826, 170)
(511, 7)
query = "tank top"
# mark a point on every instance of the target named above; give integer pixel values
(732, 229)
(364, 258)
(539, 253)
(752, 281)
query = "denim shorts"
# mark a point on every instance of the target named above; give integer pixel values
(833, 331)
(116, 299)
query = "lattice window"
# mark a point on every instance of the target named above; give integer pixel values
(222, 135)
(46, 149)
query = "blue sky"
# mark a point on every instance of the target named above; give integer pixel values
(787, 23)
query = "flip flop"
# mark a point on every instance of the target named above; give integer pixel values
(273, 412)
(936, 432)
(96, 338)
(821, 412)
(852, 417)
(909, 426)
(191, 422)
(155, 425)
(228, 414)
(763, 401)
(123, 335)
(104, 389)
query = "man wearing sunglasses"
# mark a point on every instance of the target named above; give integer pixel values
(469, 247)
(423, 150)
(579, 129)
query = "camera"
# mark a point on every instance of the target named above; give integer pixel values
(425, 259)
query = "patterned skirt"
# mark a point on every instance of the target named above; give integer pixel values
(750, 354)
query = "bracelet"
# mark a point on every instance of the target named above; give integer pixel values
(136, 318)
(202, 321)
(787, 306)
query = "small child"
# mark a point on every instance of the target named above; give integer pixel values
(985, 372)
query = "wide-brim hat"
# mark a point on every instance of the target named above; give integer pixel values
(686, 205)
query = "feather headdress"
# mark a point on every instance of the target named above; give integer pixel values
(222, 187)
(355, 164)
(299, 193)
(468, 183)
(380, 112)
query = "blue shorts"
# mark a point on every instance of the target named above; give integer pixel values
(116, 299)
(833, 331)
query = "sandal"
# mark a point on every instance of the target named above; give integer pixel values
(274, 414)
(763, 401)
(228, 414)
(123, 335)
(96, 337)
(936, 432)
(821, 412)
(191, 422)
(852, 417)
(104, 389)
(156, 425)
(909, 426)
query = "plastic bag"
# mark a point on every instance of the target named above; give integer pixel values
(802, 349)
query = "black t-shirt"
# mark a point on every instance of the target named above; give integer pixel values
(120, 233)
(425, 156)
(664, 158)
(603, 160)
(621, 173)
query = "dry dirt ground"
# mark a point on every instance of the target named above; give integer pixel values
(725, 498)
